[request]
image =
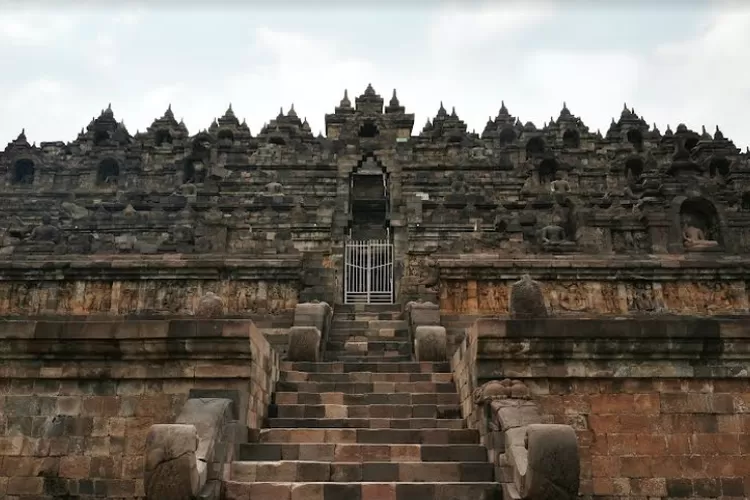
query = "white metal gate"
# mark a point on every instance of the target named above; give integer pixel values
(368, 272)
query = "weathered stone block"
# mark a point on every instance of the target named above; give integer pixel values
(210, 306)
(527, 299)
(430, 343)
(553, 463)
(304, 343)
(170, 471)
(422, 313)
(315, 314)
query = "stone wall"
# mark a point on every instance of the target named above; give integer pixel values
(146, 286)
(77, 398)
(661, 407)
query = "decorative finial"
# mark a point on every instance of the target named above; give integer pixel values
(291, 111)
(453, 112)
(718, 135)
(503, 109)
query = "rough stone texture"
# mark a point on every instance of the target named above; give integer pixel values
(210, 306)
(527, 299)
(430, 343)
(304, 343)
(658, 405)
(631, 223)
(317, 314)
(558, 201)
(77, 398)
(553, 463)
(170, 471)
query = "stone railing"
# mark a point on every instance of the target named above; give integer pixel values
(645, 397)
(425, 332)
(186, 459)
(309, 335)
(97, 387)
(533, 460)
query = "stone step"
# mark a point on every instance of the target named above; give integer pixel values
(367, 308)
(349, 324)
(370, 436)
(443, 411)
(346, 399)
(385, 357)
(371, 366)
(373, 345)
(323, 472)
(385, 334)
(368, 377)
(235, 490)
(350, 452)
(366, 387)
(368, 316)
(367, 423)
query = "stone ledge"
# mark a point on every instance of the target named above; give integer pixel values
(664, 328)
(680, 347)
(588, 267)
(146, 341)
(172, 266)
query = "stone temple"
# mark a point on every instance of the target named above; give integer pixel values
(533, 312)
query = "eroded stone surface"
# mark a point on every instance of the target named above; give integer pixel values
(430, 343)
(304, 343)
(170, 470)
(210, 306)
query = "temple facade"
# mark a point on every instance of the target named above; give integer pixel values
(583, 294)
(630, 222)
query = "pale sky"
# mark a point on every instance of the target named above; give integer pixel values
(672, 60)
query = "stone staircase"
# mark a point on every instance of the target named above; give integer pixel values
(367, 423)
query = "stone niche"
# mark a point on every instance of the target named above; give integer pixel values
(700, 226)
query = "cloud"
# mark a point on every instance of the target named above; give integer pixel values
(35, 28)
(458, 30)
(308, 71)
(703, 80)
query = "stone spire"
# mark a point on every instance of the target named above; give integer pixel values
(394, 106)
(292, 113)
(345, 102)
(718, 136)
(442, 111)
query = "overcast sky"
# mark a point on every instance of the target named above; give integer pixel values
(672, 60)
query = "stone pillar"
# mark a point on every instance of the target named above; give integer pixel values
(430, 338)
(312, 321)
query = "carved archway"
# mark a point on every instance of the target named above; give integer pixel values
(634, 168)
(571, 139)
(201, 143)
(548, 170)
(108, 172)
(163, 137)
(635, 138)
(101, 136)
(23, 172)
(718, 167)
(535, 146)
(696, 218)
(507, 136)
(225, 135)
(368, 129)
(193, 171)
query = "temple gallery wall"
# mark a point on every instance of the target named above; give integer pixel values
(200, 281)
